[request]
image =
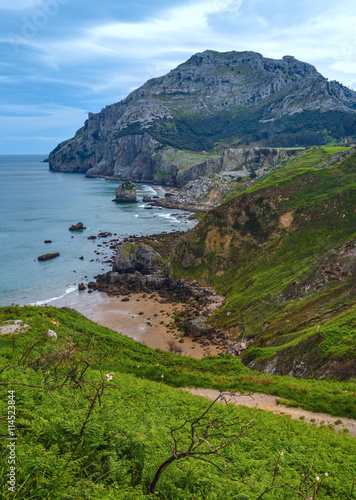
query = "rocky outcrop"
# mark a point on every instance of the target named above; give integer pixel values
(126, 192)
(13, 326)
(131, 257)
(79, 226)
(213, 97)
(338, 266)
(236, 167)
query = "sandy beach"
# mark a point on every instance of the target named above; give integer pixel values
(149, 319)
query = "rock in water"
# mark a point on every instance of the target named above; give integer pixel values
(77, 227)
(131, 257)
(48, 256)
(126, 192)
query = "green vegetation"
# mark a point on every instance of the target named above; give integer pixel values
(128, 186)
(162, 175)
(226, 373)
(105, 437)
(284, 243)
(246, 126)
(186, 159)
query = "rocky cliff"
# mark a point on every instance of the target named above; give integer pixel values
(212, 101)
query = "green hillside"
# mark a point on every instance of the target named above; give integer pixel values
(283, 253)
(80, 435)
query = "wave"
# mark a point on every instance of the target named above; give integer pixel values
(43, 302)
(169, 216)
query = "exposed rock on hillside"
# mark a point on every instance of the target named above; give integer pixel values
(232, 97)
(238, 168)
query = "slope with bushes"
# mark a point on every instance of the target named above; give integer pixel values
(284, 254)
(94, 418)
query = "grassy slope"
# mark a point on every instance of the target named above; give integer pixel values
(128, 436)
(243, 248)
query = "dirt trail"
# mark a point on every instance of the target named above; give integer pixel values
(265, 402)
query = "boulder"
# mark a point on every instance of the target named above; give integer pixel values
(48, 256)
(77, 227)
(132, 257)
(198, 327)
(126, 192)
(51, 334)
(13, 326)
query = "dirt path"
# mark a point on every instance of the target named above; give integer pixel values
(265, 402)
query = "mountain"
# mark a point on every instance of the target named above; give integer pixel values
(211, 102)
(283, 253)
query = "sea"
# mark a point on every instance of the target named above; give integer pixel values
(37, 204)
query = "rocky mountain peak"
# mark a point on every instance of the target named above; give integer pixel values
(213, 97)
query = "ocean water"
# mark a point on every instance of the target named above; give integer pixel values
(37, 204)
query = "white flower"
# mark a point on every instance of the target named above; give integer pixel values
(109, 376)
(138, 366)
(326, 474)
(162, 376)
(157, 364)
(281, 453)
(317, 478)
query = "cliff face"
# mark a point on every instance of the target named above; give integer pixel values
(233, 97)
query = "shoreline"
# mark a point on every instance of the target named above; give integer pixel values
(146, 318)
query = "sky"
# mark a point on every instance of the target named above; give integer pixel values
(60, 59)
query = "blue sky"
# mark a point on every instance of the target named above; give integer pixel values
(61, 59)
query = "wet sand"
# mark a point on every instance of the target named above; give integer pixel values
(145, 318)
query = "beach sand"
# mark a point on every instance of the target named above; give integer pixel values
(145, 318)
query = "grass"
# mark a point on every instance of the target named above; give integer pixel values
(123, 355)
(270, 266)
(127, 436)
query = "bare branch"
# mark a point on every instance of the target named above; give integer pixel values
(207, 437)
(283, 486)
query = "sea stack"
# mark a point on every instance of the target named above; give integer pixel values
(126, 192)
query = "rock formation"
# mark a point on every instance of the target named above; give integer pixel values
(126, 192)
(48, 256)
(131, 257)
(210, 102)
(77, 227)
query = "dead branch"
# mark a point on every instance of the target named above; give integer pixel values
(207, 437)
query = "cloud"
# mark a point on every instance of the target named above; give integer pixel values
(18, 4)
(161, 33)
(85, 56)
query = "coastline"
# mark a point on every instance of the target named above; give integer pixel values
(148, 319)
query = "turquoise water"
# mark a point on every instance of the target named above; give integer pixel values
(38, 205)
